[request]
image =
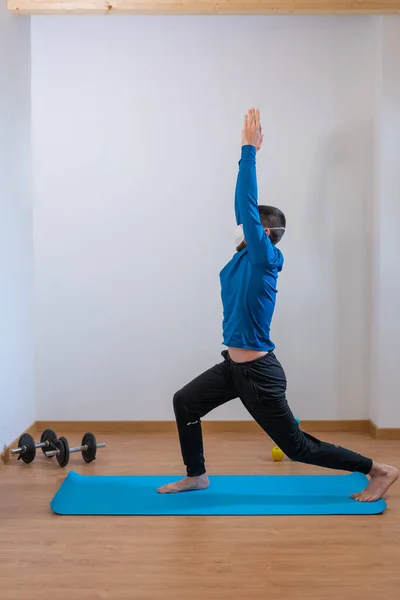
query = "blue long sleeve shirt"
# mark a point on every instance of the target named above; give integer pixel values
(249, 280)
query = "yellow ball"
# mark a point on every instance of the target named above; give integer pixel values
(277, 453)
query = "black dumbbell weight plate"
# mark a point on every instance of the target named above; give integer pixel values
(30, 452)
(90, 441)
(50, 436)
(63, 455)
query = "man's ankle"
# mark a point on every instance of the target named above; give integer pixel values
(378, 469)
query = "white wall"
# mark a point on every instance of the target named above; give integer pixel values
(136, 136)
(385, 406)
(17, 407)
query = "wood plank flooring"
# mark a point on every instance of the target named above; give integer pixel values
(180, 558)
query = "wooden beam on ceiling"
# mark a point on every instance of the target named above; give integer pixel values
(204, 7)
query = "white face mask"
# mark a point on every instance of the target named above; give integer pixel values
(239, 235)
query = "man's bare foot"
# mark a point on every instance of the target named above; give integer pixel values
(188, 484)
(382, 477)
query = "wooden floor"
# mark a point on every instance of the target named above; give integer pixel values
(199, 558)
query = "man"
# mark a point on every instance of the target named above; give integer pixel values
(250, 370)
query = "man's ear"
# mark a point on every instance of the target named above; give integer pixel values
(267, 231)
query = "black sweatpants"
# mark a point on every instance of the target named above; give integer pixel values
(261, 386)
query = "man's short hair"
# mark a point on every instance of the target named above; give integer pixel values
(273, 217)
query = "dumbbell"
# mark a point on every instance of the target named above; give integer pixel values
(88, 448)
(27, 447)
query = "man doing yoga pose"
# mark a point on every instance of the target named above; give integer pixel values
(250, 370)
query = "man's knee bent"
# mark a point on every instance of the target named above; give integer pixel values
(182, 409)
(179, 403)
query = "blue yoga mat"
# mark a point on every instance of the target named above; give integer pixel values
(227, 495)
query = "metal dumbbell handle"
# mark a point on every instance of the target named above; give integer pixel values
(23, 448)
(18, 450)
(76, 449)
